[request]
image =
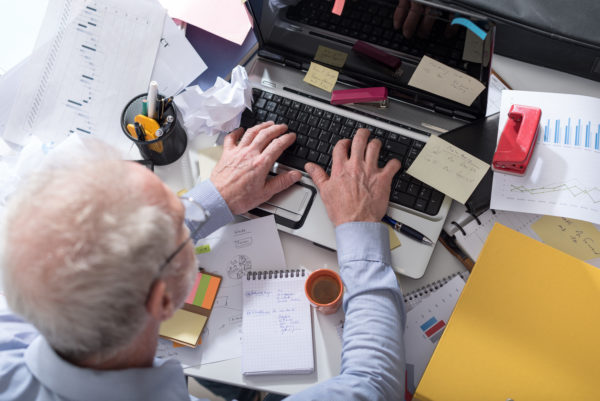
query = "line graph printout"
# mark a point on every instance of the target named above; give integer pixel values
(91, 58)
(562, 178)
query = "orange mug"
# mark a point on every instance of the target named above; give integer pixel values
(324, 290)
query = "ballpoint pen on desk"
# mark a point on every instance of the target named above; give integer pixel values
(406, 230)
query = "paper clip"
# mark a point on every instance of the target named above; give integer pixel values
(379, 55)
(376, 96)
(517, 140)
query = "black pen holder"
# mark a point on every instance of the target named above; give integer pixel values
(170, 145)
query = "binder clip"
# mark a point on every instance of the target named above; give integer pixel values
(517, 140)
(376, 96)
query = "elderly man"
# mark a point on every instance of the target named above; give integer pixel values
(96, 256)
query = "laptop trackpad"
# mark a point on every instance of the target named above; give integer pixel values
(290, 206)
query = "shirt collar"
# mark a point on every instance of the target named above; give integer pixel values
(163, 381)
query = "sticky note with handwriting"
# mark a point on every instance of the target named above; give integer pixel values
(448, 169)
(439, 79)
(321, 77)
(329, 56)
(575, 237)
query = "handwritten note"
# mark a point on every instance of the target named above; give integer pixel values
(439, 79)
(321, 77)
(276, 325)
(448, 169)
(332, 57)
(575, 237)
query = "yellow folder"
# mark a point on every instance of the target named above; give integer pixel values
(526, 327)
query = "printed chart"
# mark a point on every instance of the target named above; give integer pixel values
(562, 178)
(82, 72)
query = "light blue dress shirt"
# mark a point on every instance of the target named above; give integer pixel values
(372, 355)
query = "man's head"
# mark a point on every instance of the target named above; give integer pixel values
(83, 246)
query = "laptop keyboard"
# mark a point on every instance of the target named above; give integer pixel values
(318, 131)
(372, 22)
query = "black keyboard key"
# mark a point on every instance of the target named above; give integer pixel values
(293, 161)
(271, 106)
(302, 152)
(313, 121)
(346, 131)
(322, 147)
(303, 117)
(303, 129)
(314, 132)
(293, 126)
(434, 204)
(301, 139)
(324, 160)
(413, 189)
(403, 199)
(312, 143)
(421, 204)
(282, 120)
(271, 117)
(267, 95)
(296, 105)
(334, 128)
(395, 147)
(313, 156)
(324, 123)
(281, 110)
(261, 115)
(260, 103)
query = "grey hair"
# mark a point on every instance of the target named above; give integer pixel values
(82, 246)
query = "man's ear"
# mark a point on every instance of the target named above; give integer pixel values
(160, 304)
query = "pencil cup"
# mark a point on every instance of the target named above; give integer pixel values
(160, 147)
(324, 290)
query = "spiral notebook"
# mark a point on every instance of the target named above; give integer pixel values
(276, 324)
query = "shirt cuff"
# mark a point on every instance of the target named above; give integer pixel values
(211, 200)
(367, 241)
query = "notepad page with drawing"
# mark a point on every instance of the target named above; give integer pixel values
(276, 324)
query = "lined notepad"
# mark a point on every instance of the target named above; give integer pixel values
(276, 324)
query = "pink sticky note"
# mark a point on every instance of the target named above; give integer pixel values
(192, 294)
(225, 18)
(338, 7)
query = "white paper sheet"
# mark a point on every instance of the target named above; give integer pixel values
(425, 324)
(562, 177)
(234, 250)
(81, 79)
(177, 63)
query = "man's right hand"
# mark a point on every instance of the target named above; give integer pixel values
(358, 190)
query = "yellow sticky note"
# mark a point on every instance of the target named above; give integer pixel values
(332, 57)
(575, 237)
(207, 160)
(394, 240)
(439, 79)
(448, 169)
(321, 77)
(183, 326)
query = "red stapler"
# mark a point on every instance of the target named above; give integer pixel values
(377, 95)
(517, 140)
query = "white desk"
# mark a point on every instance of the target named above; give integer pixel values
(299, 252)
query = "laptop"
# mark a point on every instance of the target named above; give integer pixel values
(290, 32)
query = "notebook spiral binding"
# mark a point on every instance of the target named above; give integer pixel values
(413, 297)
(270, 274)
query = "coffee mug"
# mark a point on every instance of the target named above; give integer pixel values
(324, 290)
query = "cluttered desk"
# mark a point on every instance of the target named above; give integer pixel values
(306, 74)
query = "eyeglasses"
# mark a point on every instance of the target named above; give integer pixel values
(195, 218)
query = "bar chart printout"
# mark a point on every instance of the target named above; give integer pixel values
(82, 72)
(425, 325)
(562, 178)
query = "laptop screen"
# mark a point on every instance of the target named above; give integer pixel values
(384, 41)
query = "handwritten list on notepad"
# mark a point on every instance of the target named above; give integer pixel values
(276, 324)
(448, 169)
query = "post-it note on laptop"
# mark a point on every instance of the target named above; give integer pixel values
(321, 77)
(448, 169)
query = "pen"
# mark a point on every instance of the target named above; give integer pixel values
(152, 99)
(406, 230)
